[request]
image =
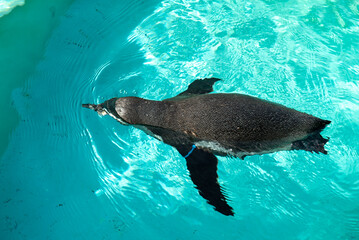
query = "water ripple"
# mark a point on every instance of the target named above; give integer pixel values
(301, 54)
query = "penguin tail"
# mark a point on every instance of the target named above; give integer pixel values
(314, 142)
(321, 124)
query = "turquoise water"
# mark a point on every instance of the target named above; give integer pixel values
(68, 173)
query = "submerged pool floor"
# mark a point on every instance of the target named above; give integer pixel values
(68, 173)
(24, 34)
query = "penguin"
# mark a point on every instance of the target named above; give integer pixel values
(201, 125)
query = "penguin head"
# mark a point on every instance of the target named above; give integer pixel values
(121, 109)
(96, 107)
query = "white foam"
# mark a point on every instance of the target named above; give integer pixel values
(7, 5)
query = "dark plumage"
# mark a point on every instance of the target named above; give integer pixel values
(222, 124)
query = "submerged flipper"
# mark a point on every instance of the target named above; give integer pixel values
(201, 165)
(199, 86)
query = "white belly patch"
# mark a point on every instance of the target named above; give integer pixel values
(217, 147)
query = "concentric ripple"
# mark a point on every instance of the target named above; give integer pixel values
(74, 173)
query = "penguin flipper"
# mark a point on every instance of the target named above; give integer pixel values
(202, 167)
(199, 86)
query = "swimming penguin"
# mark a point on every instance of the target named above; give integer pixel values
(201, 125)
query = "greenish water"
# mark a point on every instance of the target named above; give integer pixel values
(69, 173)
(24, 33)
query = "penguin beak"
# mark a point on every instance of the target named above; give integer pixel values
(97, 107)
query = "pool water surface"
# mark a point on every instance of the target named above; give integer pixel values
(69, 173)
